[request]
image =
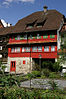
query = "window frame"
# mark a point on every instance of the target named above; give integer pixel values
(46, 49)
(33, 49)
(53, 48)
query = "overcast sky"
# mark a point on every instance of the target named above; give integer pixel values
(13, 10)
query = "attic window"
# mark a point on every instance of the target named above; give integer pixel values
(39, 24)
(29, 26)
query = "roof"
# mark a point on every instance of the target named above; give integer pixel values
(5, 31)
(52, 20)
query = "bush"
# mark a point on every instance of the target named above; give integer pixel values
(54, 75)
(64, 74)
(57, 67)
(36, 74)
(45, 72)
(48, 65)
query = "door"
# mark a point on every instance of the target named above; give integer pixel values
(13, 66)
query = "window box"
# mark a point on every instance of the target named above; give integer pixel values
(52, 36)
(45, 36)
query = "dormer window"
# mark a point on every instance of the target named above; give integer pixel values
(29, 26)
(39, 25)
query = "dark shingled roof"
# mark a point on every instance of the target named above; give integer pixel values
(52, 21)
(6, 30)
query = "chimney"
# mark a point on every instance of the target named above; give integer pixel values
(45, 9)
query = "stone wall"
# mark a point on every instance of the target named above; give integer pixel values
(20, 67)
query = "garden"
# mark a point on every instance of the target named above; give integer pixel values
(10, 87)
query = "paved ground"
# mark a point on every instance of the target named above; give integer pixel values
(43, 83)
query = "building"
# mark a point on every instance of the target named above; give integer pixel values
(62, 51)
(4, 27)
(34, 39)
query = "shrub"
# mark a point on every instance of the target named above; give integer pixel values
(64, 74)
(48, 65)
(36, 67)
(53, 84)
(36, 74)
(54, 75)
(57, 67)
(45, 72)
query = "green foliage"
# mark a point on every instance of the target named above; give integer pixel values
(36, 74)
(9, 81)
(45, 72)
(2, 68)
(22, 93)
(47, 64)
(57, 67)
(54, 75)
(53, 84)
(64, 74)
(36, 67)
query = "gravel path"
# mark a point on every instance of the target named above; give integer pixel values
(43, 83)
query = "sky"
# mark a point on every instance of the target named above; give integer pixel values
(13, 10)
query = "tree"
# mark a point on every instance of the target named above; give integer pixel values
(2, 68)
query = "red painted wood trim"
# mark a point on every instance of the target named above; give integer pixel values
(49, 48)
(9, 50)
(34, 54)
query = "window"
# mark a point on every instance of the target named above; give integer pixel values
(38, 36)
(52, 36)
(29, 26)
(34, 49)
(12, 37)
(21, 37)
(12, 50)
(30, 37)
(45, 36)
(17, 37)
(46, 48)
(39, 25)
(17, 49)
(0, 39)
(25, 37)
(0, 47)
(39, 49)
(23, 49)
(52, 48)
(27, 49)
